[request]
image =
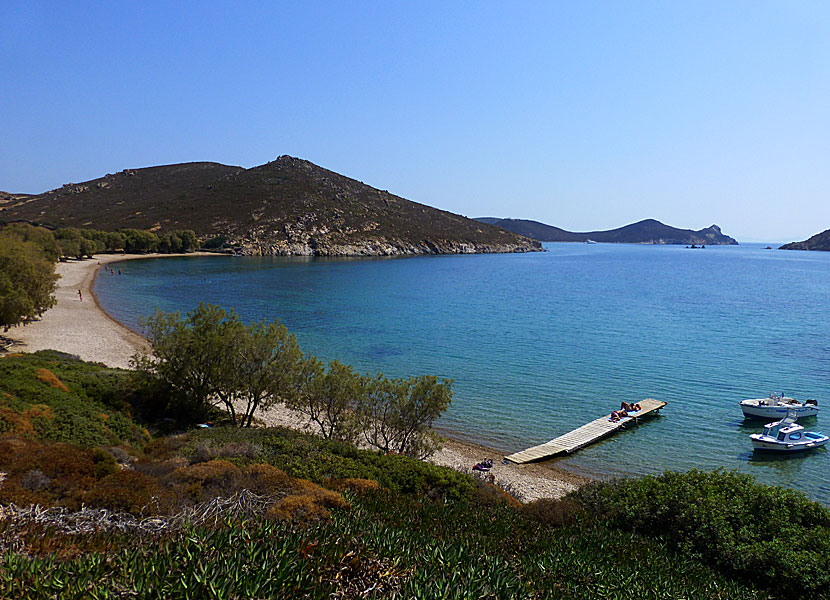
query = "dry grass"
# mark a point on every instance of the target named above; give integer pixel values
(46, 376)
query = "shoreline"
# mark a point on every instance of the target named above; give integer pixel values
(79, 325)
(83, 328)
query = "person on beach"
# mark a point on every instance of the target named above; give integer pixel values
(80, 296)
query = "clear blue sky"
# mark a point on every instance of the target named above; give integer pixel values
(584, 115)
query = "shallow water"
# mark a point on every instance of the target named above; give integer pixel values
(541, 343)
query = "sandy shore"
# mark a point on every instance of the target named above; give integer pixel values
(81, 327)
(77, 324)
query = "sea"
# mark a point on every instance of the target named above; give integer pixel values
(538, 344)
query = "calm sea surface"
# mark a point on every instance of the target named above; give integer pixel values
(541, 343)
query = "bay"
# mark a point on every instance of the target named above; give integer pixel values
(541, 343)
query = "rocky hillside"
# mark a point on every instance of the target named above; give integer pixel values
(820, 241)
(648, 231)
(287, 207)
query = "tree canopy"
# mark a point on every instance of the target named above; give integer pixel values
(211, 358)
(27, 273)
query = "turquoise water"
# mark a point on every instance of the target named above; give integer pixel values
(541, 343)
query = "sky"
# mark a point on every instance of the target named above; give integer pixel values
(585, 115)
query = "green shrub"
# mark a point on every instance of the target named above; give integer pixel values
(761, 533)
(55, 397)
(309, 457)
(104, 462)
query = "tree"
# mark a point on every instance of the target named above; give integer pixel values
(211, 358)
(97, 237)
(139, 242)
(397, 414)
(87, 248)
(189, 241)
(27, 280)
(187, 353)
(39, 236)
(69, 242)
(329, 398)
(115, 240)
(260, 367)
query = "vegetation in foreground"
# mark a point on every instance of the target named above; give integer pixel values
(336, 521)
(385, 545)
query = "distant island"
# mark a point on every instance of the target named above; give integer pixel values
(820, 241)
(649, 231)
(288, 206)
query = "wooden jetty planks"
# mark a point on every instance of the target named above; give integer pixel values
(582, 436)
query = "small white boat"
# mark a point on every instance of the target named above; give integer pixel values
(777, 406)
(787, 436)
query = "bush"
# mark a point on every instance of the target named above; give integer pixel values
(311, 503)
(46, 376)
(360, 487)
(264, 479)
(203, 481)
(762, 533)
(56, 397)
(104, 462)
(552, 512)
(309, 457)
(44, 474)
(129, 491)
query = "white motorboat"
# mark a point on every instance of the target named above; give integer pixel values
(787, 436)
(777, 406)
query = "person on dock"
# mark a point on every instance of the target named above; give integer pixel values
(616, 415)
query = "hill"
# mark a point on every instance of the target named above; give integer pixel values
(288, 207)
(648, 231)
(820, 241)
(534, 229)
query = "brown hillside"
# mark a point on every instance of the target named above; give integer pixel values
(288, 206)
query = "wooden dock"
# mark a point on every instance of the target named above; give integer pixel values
(582, 436)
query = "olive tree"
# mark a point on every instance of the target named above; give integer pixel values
(27, 276)
(187, 354)
(260, 367)
(396, 415)
(212, 358)
(329, 398)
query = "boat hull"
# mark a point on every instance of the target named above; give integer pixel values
(753, 411)
(760, 442)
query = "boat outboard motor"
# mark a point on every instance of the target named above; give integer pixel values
(811, 401)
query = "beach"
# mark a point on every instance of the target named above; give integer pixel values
(78, 325)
